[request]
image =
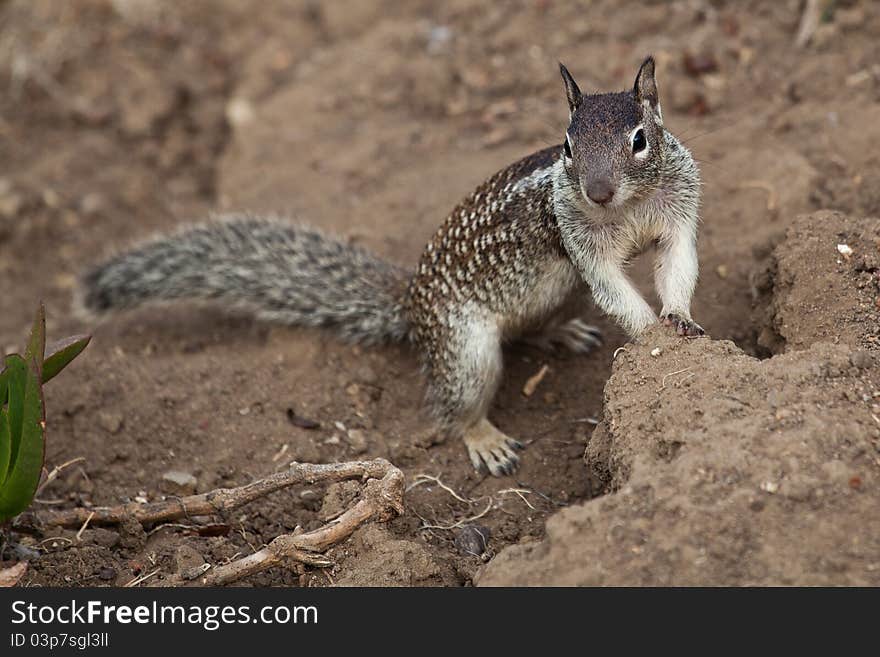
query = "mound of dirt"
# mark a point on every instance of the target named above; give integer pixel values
(821, 283)
(730, 470)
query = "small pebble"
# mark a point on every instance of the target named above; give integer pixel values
(10, 205)
(861, 359)
(656, 351)
(188, 558)
(239, 112)
(107, 574)
(92, 204)
(367, 374)
(472, 540)
(103, 537)
(195, 571)
(110, 421)
(51, 198)
(179, 482)
(357, 441)
(301, 422)
(769, 487)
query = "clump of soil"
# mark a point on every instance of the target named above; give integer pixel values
(727, 470)
(822, 283)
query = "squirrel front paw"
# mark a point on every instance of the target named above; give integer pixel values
(682, 326)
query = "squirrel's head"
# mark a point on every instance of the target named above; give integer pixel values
(614, 143)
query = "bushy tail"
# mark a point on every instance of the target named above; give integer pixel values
(279, 272)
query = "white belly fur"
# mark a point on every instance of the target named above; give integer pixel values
(550, 290)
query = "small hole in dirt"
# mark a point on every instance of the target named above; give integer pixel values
(762, 342)
(668, 449)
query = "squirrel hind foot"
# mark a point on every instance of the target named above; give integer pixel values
(491, 449)
(574, 336)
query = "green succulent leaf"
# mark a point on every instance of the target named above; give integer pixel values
(4, 384)
(17, 370)
(36, 347)
(5, 445)
(23, 419)
(26, 464)
(5, 437)
(59, 354)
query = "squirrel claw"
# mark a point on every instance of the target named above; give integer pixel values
(683, 327)
(574, 336)
(490, 449)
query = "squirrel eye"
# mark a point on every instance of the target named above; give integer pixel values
(639, 141)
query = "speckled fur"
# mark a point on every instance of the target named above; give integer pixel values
(496, 268)
(505, 262)
(278, 271)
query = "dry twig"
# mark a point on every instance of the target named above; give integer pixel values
(220, 500)
(53, 475)
(381, 499)
(809, 22)
(519, 492)
(84, 525)
(461, 522)
(534, 381)
(137, 580)
(421, 479)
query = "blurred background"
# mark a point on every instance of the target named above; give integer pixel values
(122, 117)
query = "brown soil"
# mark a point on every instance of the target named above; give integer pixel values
(372, 119)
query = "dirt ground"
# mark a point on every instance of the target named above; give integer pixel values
(121, 118)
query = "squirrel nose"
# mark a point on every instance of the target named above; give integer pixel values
(600, 191)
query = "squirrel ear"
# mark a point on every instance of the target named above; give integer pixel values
(645, 87)
(571, 89)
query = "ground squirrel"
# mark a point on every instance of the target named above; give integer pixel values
(507, 261)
